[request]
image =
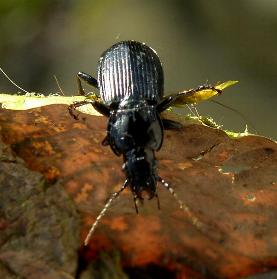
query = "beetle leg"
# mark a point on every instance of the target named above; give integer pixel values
(88, 79)
(106, 141)
(166, 103)
(171, 124)
(72, 108)
(158, 201)
(168, 100)
(80, 87)
(101, 108)
(135, 202)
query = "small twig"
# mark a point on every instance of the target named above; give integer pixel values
(13, 81)
(58, 84)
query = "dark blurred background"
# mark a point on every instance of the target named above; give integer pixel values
(197, 40)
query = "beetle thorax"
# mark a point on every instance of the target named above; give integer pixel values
(135, 126)
(131, 102)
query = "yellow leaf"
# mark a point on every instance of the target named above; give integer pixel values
(202, 93)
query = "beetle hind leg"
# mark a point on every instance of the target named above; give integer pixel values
(88, 79)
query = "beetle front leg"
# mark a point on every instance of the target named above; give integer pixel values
(101, 108)
(72, 108)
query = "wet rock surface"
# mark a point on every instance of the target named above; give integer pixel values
(229, 185)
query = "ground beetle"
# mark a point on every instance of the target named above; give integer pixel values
(131, 81)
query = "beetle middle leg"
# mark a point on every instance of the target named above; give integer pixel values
(166, 102)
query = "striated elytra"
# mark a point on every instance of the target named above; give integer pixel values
(130, 69)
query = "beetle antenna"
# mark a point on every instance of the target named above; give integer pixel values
(13, 81)
(193, 218)
(217, 235)
(102, 213)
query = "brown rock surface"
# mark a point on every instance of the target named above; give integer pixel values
(230, 185)
(34, 219)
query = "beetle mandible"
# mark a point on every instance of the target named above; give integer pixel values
(131, 81)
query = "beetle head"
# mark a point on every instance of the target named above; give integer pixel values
(140, 169)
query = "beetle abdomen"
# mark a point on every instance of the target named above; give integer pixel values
(132, 69)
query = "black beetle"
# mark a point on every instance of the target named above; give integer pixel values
(131, 81)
